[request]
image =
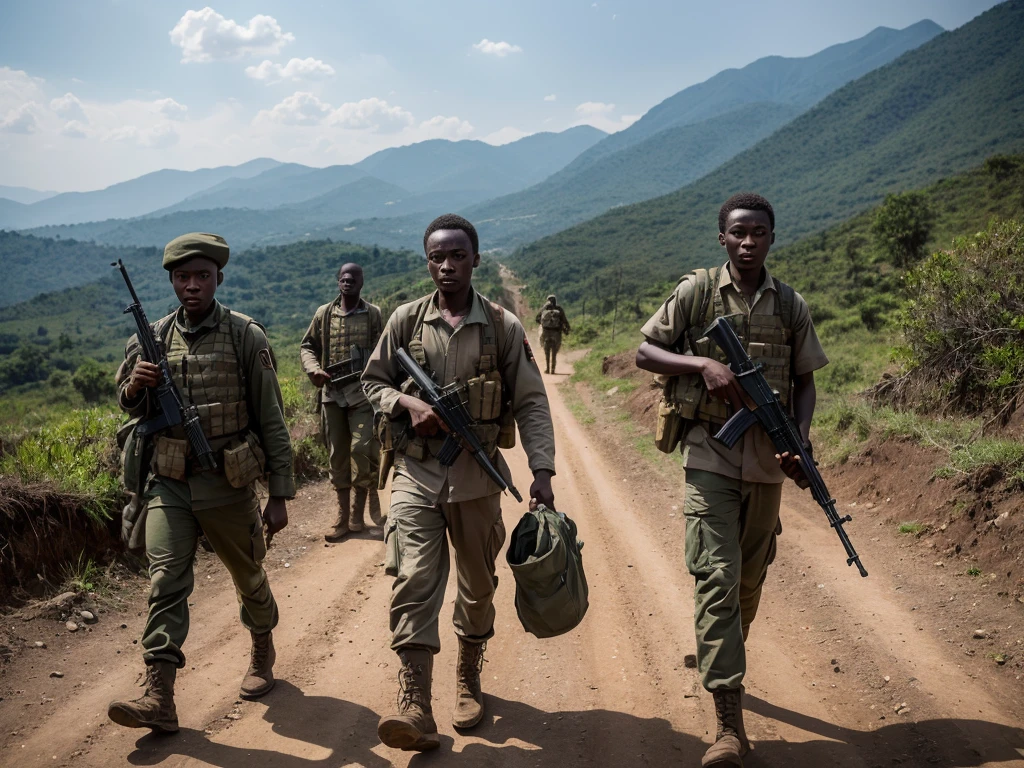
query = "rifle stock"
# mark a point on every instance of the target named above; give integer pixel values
(773, 418)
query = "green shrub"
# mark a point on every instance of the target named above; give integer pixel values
(93, 381)
(964, 322)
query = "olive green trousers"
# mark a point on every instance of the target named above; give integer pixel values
(416, 554)
(730, 542)
(353, 449)
(235, 531)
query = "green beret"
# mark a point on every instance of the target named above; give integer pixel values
(185, 247)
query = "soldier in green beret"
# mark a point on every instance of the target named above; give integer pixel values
(222, 363)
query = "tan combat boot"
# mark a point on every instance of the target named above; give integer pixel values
(340, 530)
(469, 698)
(260, 677)
(375, 514)
(730, 739)
(412, 727)
(355, 520)
(155, 708)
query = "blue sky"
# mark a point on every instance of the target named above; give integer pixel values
(98, 91)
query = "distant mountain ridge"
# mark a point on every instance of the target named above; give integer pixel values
(935, 111)
(425, 167)
(23, 195)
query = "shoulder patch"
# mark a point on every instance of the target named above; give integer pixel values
(267, 358)
(528, 349)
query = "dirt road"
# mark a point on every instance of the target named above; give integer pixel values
(831, 657)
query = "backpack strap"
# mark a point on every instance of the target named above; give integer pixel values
(786, 298)
(415, 345)
(706, 293)
(491, 351)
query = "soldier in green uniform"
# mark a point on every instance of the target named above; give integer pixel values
(341, 335)
(221, 362)
(456, 335)
(553, 323)
(732, 496)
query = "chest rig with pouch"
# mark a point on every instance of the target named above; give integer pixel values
(348, 339)
(209, 373)
(486, 396)
(767, 338)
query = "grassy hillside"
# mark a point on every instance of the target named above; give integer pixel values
(933, 112)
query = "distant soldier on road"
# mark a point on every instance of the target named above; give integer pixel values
(553, 323)
(334, 352)
(222, 363)
(732, 495)
(460, 338)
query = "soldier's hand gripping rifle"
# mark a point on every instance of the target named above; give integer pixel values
(450, 409)
(171, 408)
(773, 418)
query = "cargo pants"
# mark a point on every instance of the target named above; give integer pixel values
(235, 531)
(416, 538)
(730, 542)
(354, 451)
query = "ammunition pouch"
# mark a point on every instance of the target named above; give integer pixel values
(484, 395)
(170, 457)
(133, 469)
(246, 463)
(507, 432)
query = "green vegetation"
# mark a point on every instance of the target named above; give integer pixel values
(902, 226)
(900, 127)
(963, 326)
(974, 571)
(914, 528)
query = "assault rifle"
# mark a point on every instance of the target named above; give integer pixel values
(449, 407)
(773, 418)
(172, 410)
(350, 369)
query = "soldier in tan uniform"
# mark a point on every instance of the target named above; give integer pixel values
(220, 361)
(732, 496)
(340, 338)
(456, 335)
(553, 323)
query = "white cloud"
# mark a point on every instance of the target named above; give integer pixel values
(207, 36)
(295, 69)
(21, 120)
(441, 127)
(74, 129)
(628, 120)
(505, 135)
(69, 106)
(492, 48)
(301, 108)
(551, 97)
(593, 108)
(371, 114)
(160, 136)
(170, 109)
(17, 88)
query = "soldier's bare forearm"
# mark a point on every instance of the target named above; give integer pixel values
(658, 360)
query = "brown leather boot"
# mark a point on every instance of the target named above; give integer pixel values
(355, 520)
(260, 677)
(469, 698)
(155, 708)
(412, 727)
(376, 517)
(730, 738)
(340, 530)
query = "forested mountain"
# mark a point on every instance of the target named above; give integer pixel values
(933, 112)
(675, 143)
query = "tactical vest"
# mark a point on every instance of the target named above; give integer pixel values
(485, 395)
(551, 319)
(766, 338)
(210, 375)
(341, 332)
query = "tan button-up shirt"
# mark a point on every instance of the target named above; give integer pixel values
(266, 410)
(311, 352)
(753, 458)
(454, 354)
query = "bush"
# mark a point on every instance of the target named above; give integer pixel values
(93, 381)
(964, 324)
(902, 226)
